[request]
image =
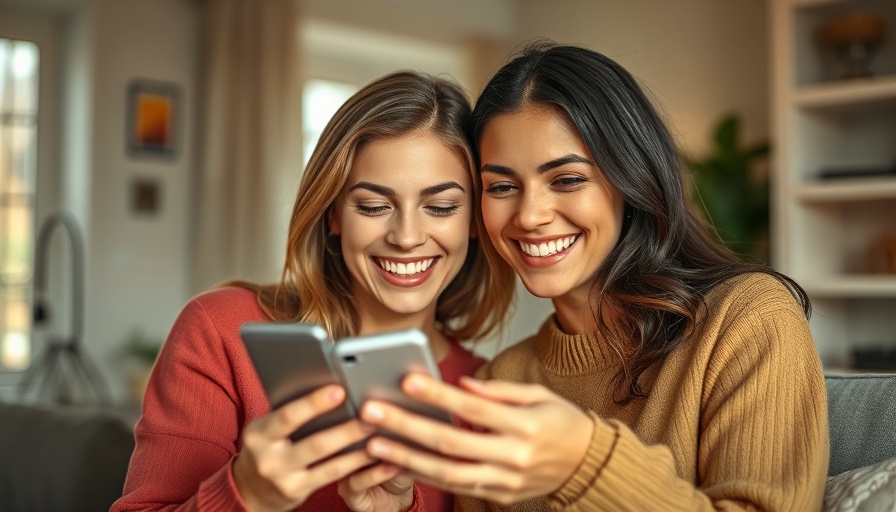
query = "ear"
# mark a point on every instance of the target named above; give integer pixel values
(474, 229)
(335, 228)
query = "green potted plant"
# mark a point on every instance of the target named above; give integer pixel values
(731, 193)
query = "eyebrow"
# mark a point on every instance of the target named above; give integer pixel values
(390, 192)
(543, 168)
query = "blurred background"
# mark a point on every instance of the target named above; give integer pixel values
(172, 133)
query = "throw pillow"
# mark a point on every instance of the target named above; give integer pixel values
(867, 489)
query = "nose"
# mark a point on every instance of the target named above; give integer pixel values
(406, 231)
(535, 210)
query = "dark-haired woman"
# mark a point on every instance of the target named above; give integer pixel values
(672, 376)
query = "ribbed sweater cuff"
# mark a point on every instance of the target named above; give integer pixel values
(219, 491)
(603, 441)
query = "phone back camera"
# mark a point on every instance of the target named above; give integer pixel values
(349, 360)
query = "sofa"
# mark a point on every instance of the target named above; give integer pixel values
(70, 459)
(55, 459)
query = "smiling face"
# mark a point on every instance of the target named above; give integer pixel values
(546, 205)
(404, 216)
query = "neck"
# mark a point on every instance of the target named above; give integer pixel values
(387, 321)
(576, 315)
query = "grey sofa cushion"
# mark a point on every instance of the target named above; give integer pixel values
(56, 459)
(862, 415)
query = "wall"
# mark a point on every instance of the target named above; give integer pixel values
(699, 58)
(137, 270)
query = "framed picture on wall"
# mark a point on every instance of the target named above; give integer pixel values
(153, 112)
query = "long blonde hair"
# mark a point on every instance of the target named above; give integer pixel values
(315, 285)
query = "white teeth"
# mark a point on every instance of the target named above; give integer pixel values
(549, 248)
(404, 269)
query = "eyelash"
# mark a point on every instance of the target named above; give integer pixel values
(563, 182)
(443, 211)
(499, 188)
(370, 210)
(438, 211)
(570, 181)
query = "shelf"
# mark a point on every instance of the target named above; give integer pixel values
(839, 94)
(862, 286)
(847, 190)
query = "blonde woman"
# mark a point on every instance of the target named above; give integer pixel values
(383, 236)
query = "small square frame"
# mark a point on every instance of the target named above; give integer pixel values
(153, 116)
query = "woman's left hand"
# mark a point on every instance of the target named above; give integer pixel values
(379, 487)
(531, 440)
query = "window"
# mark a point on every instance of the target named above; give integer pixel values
(320, 100)
(18, 149)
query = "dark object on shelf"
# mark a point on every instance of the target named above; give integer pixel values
(854, 40)
(874, 358)
(63, 373)
(856, 172)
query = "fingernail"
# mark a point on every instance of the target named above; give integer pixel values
(335, 395)
(472, 381)
(377, 448)
(372, 412)
(415, 384)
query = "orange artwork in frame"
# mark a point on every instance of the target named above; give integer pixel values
(152, 118)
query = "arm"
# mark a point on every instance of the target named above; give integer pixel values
(762, 439)
(193, 452)
(189, 431)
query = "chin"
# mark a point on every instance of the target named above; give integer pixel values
(546, 288)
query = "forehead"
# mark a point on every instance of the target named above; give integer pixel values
(535, 132)
(409, 161)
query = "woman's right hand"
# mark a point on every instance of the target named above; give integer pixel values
(273, 473)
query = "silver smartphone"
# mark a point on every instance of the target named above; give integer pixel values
(292, 360)
(372, 367)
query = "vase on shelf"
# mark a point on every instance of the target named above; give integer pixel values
(854, 39)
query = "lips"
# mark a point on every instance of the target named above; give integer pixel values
(547, 248)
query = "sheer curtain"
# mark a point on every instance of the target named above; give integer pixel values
(250, 157)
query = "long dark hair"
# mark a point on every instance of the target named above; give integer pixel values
(666, 260)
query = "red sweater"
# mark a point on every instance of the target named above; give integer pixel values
(202, 393)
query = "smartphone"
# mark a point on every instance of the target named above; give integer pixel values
(292, 360)
(372, 367)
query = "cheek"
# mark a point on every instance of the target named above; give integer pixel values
(357, 234)
(494, 216)
(453, 232)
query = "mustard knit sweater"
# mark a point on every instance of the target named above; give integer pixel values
(735, 417)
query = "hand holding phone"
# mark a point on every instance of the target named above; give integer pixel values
(293, 359)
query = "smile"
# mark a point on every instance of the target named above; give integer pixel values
(547, 248)
(405, 268)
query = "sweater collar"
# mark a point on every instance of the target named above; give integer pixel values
(572, 354)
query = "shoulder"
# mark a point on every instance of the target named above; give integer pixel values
(218, 313)
(228, 300)
(754, 317)
(753, 293)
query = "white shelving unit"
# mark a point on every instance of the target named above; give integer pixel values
(824, 230)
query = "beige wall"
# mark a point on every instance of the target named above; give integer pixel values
(700, 58)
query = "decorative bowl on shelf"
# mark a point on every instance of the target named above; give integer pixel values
(854, 40)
